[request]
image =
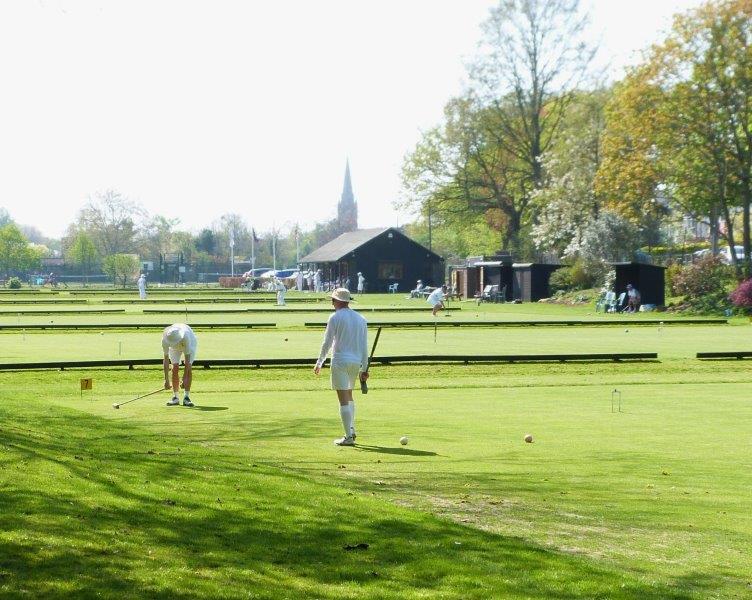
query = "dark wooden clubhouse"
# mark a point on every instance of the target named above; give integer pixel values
(385, 256)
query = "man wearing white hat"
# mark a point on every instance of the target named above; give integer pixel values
(361, 282)
(347, 335)
(179, 340)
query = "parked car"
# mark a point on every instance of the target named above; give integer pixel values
(724, 253)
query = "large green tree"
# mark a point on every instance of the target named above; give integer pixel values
(122, 268)
(680, 125)
(16, 254)
(83, 253)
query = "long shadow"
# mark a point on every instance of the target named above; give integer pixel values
(80, 496)
(209, 408)
(386, 450)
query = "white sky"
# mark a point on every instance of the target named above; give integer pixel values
(196, 108)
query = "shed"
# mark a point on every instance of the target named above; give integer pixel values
(530, 281)
(650, 281)
(385, 256)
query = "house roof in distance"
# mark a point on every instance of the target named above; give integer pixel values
(348, 242)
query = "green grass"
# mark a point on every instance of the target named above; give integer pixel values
(246, 497)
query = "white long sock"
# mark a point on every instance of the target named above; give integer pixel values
(351, 404)
(345, 412)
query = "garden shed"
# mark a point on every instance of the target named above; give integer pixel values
(650, 281)
(530, 282)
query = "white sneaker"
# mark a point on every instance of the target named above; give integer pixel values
(187, 401)
(173, 402)
(345, 441)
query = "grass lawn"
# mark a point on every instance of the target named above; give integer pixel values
(245, 496)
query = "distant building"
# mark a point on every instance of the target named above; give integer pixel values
(347, 209)
(386, 257)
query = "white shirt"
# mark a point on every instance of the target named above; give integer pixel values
(187, 345)
(361, 282)
(142, 283)
(435, 297)
(347, 335)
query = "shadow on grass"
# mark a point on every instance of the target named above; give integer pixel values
(209, 408)
(84, 512)
(387, 450)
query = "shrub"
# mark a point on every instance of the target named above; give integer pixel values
(572, 277)
(560, 280)
(671, 272)
(703, 284)
(741, 297)
(14, 283)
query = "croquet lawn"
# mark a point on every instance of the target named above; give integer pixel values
(245, 496)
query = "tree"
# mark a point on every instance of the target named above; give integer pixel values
(206, 242)
(121, 267)
(567, 202)
(156, 236)
(4, 217)
(109, 221)
(16, 254)
(83, 253)
(681, 123)
(486, 158)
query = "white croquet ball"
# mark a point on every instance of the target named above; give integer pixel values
(404, 440)
(529, 438)
(626, 331)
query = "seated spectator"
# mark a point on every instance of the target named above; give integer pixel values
(633, 299)
(418, 291)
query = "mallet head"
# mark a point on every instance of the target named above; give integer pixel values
(115, 406)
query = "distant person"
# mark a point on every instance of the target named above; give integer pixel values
(347, 283)
(309, 280)
(179, 340)
(281, 290)
(299, 280)
(436, 299)
(361, 283)
(633, 299)
(418, 291)
(346, 335)
(142, 286)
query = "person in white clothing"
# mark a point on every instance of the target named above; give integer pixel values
(436, 299)
(142, 286)
(317, 281)
(361, 283)
(347, 336)
(179, 340)
(418, 291)
(299, 280)
(281, 291)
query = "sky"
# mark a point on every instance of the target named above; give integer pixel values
(197, 108)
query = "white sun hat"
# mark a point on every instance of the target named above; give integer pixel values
(173, 335)
(342, 294)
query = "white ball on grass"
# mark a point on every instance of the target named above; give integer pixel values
(529, 438)
(404, 440)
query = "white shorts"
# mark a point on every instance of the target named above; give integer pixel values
(344, 376)
(176, 354)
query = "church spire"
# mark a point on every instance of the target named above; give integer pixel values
(347, 209)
